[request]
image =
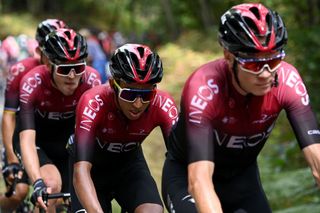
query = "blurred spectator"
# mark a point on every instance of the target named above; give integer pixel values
(96, 56)
(12, 50)
(16, 48)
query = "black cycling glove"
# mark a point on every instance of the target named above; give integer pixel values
(12, 168)
(39, 188)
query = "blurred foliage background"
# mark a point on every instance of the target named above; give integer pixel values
(185, 35)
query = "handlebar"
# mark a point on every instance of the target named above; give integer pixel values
(46, 197)
(64, 196)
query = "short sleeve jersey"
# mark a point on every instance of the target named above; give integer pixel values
(16, 72)
(40, 100)
(101, 125)
(219, 124)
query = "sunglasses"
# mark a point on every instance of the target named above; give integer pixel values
(131, 95)
(65, 69)
(257, 65)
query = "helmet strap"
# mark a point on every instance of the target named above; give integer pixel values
(276, 81)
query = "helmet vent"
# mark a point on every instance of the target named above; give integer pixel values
(255, 11)
(135, 60)
(141, 51)
(252, 25)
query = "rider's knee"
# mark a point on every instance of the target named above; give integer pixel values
(54, 184)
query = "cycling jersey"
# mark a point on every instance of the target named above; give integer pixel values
(46, 110)
(219, 124)
(111, 142)
(99, 118)
(16, 72)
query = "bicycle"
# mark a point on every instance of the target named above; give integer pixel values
(64, 207)
(25, 206)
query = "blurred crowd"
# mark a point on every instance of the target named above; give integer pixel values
(101, 45)
(12, 50)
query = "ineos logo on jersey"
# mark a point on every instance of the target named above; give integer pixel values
(90, 111)
(241, 142)
(122, 147)
(56, 115)
(199, 101)
(93, 80)
(14, 72)
(28, 87)
(167, 105)
(294, 81)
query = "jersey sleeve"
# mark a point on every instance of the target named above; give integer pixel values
(12, 87)
(168, 115)
(28, 92)
(88, 115)
(199, 99)
(295, 98)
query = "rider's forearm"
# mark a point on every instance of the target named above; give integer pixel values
(312, 155)
(8, 126)
(85, 190)
(30, 157)
(205, 197)
(201, 187)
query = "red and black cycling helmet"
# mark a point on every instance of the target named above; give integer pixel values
(65, 45)
(46, 27)
(252, 28)
(136, 63)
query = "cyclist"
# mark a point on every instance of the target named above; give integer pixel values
(48, 96)
(112, 121)
(11, 161)
(228, 109)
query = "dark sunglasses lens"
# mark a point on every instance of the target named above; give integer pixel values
(254, 66)
(274, 62)
(131, 95)
(258, 65)
(128, 95)
(65, 70)
(148, 95)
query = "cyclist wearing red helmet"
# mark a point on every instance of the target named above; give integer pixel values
(48, 97)
(112, 121)
(228, 109)
(11, 160)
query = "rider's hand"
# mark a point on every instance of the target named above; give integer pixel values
(39, 188)
(11, 171)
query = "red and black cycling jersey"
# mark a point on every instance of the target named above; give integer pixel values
(219, 124)
(39, 99)
(15, 74)
(101, 125)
